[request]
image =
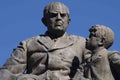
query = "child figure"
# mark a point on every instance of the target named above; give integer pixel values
(98, 66)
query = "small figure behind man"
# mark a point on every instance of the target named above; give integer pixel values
(101, 63)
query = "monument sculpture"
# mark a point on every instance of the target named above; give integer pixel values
(99, 66)
(54, 55)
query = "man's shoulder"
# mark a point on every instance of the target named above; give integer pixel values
(77, 37)
(34, 38)
(79, 40)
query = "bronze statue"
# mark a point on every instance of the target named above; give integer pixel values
(54, 55)
(101, 63)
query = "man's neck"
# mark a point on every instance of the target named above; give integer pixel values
(55, 35)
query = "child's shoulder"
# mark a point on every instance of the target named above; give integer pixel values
(114, 54)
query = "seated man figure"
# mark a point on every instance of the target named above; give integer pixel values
(54, 55)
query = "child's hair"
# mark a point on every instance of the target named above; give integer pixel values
(105, 33)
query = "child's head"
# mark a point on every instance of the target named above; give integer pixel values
(103, 36)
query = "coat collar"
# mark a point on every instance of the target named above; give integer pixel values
(61, 42)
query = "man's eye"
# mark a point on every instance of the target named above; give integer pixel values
(63, 15)
(53, 15)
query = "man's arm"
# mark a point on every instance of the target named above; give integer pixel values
(17, 62)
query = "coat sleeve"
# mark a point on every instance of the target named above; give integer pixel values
(17, 62)
(83, 54)
(114, 59)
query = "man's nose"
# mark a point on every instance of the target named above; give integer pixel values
(58, 16)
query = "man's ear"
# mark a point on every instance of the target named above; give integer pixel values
(69, 20)
(44, 21)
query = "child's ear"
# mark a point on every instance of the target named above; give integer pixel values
(101, 41)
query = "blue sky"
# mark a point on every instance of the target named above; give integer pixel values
(21, 19)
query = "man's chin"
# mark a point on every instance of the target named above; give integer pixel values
(59, 30)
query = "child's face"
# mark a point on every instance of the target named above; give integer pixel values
(92, 42)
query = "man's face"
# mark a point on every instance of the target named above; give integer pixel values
(57, 19)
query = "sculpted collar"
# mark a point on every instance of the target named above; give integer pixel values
(61, 42)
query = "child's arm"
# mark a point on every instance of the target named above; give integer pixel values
(114, 59)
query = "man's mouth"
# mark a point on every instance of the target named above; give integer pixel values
(59, 23)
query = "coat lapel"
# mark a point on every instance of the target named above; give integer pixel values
(64, 42)
(60, 43)
(45, 41)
